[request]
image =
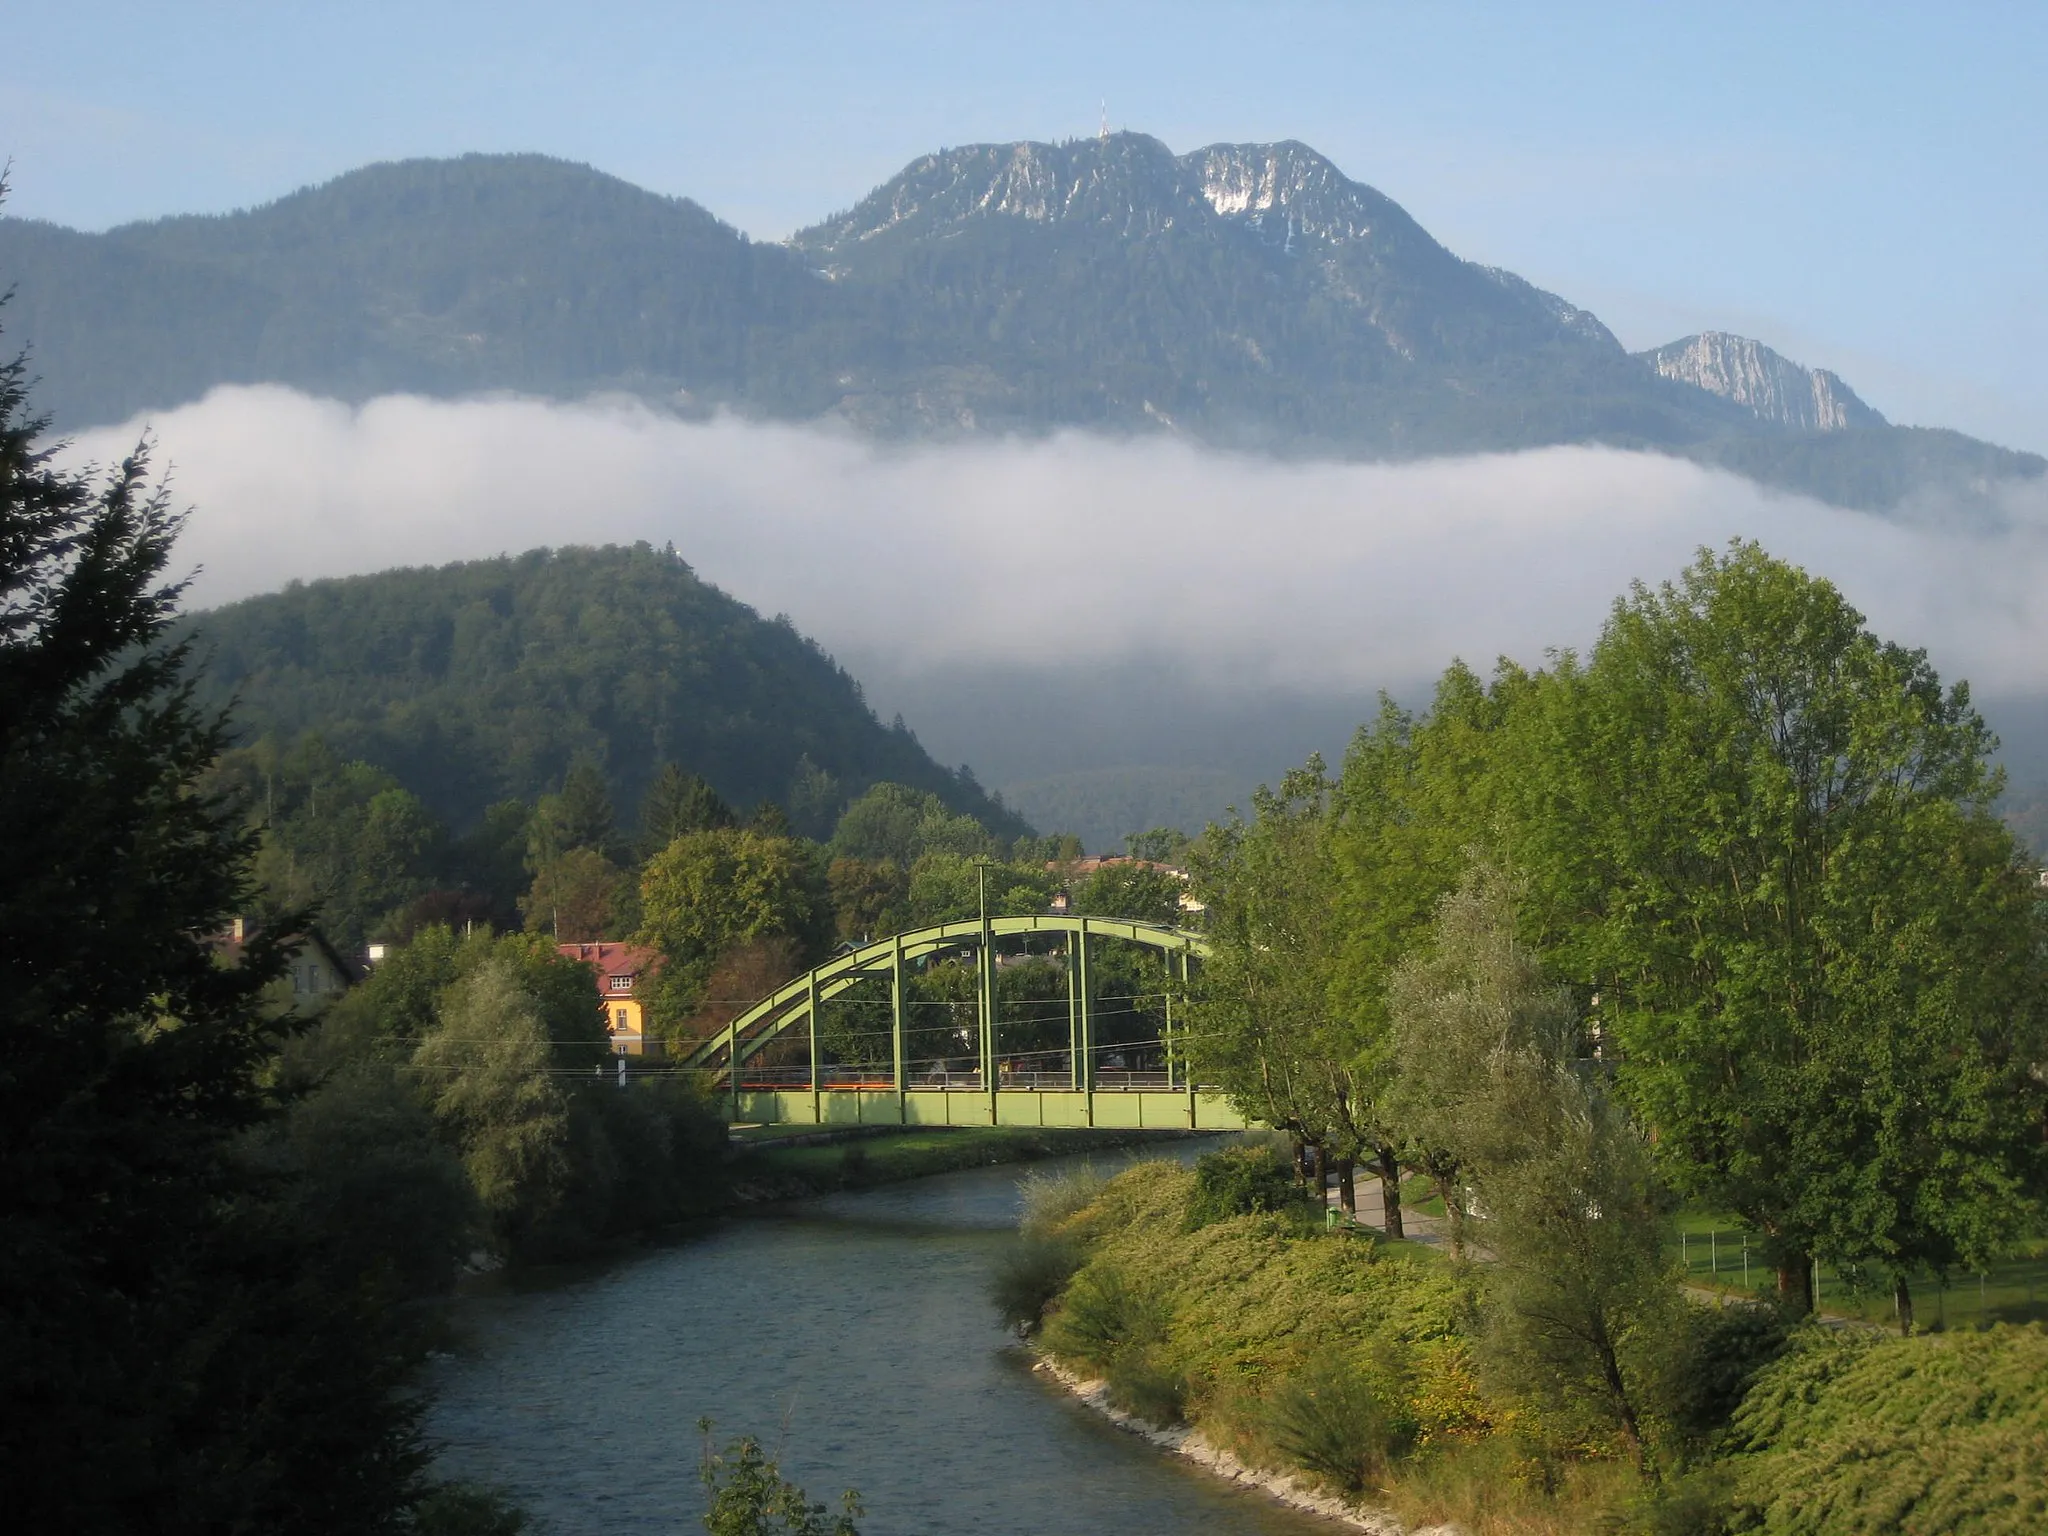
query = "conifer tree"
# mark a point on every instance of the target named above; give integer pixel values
(170, 1360)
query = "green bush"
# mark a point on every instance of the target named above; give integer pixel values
(1244, 1181)
(1049, 1198)
(1717, 1355)
(750, 1497)
(1140, 1385)
(1697, 1503)
(1333, 1420)
(1103, 1314)
(1935, 1435)
(1028, 1276)
(465, 1509)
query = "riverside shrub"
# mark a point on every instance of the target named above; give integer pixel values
(1029, 1276)
(1334, 1420)
(1215, 1323)
(1934, 1435)
(1245, 1181)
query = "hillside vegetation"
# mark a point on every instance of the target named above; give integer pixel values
(1208, 1296)
(478, 682)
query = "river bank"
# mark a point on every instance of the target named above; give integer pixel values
(812, 1163)
(1186, 1441)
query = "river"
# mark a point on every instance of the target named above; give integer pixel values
(853, 1335)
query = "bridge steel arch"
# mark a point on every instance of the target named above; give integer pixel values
(828, 1098)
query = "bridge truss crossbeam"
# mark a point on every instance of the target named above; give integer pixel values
(1164, 1101)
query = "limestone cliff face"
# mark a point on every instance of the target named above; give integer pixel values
(1777, 389)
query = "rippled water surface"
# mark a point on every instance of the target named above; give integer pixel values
(853, 1332)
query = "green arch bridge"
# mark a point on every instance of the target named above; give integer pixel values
(770, 1064)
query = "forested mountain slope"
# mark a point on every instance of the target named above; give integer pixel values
(480, 681)
(1248, 295)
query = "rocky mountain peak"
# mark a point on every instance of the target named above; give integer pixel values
(1290, 181)
(1777, 389)
(1129, 182)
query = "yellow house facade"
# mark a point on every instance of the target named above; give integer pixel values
(624, 972)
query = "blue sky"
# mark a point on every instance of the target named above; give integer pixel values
(1860, 185)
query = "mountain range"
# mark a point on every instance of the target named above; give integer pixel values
(1249, 296)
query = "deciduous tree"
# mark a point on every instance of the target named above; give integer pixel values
(1763, 834)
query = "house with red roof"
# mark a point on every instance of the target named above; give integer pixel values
(625, 973)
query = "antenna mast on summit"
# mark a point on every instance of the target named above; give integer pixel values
(1105, 119)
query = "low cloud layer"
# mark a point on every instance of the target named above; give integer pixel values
(1075, 551)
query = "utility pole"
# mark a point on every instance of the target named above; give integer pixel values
(987, 970)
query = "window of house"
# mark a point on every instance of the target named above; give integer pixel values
(622, 983)
(619, 1017)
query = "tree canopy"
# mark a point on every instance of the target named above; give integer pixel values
(155, 1281)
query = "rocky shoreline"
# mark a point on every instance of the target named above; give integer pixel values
(1186, 1441)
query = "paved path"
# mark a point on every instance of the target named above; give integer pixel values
(1372, 1211)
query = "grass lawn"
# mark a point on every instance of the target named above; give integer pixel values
(911, 1154)
(1711, 1249)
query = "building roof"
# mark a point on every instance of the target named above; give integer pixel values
(611, 959)
(232, 940)
(1091, 863)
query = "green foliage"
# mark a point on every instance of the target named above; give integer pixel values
(1028, 1275)
(1580, 1305)
(496, 1047)
(1048, 1199)
(1130, 890)
(1160, 845)
(1330, 1418)
(176, 1353)
(579, 816)
(339, 837)
(946, 887)
(1763, 834)
(708, 894)
(1233, 1306)
(678, 802)
(1140, 1385)
(868, 899)
(473, 683)
(1106, 1313)
(1716, 1356)
(464, 1509)
(1269, 1022)
(900, 824)
(391, 1199)
(1935, 1434)
(1473, 1021)
(580, 897)
(486, 1071)
(750, 1496)
(1416, 797)
(1246, 1181)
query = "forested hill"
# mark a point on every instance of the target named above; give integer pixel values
(482, 681)
(1248, 295)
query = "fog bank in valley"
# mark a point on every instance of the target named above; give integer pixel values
(1047, 608)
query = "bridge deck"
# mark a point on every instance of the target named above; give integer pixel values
(1135, 1108)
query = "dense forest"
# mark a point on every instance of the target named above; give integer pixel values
(1008, 288)
(473, 683)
